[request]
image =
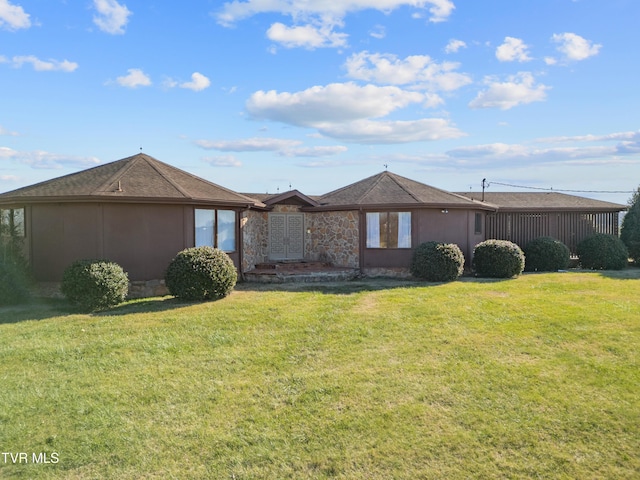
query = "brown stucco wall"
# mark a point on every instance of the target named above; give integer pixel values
(141, 238)
(455, 226)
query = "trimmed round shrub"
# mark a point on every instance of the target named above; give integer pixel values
(602, 252)
(546, 254)
(94, 285)
(201, 273)
(437, 262)
(498, 259)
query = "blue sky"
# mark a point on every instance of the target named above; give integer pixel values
(260, 95)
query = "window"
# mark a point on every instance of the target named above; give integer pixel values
(478, 225)
(389, 230)
(12, 222)
(216, 228)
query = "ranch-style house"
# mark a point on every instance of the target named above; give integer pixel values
(140, 212)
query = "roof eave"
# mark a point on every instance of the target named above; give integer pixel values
(403, 206)
(584, 209)
(126, 199)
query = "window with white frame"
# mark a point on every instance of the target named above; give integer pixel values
(216, 228)
(388, 229)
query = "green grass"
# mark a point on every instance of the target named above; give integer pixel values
(536, 377)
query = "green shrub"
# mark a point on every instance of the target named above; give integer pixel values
(14, 282)
(498, 259)
(201, 273)
(602, 252)
(93, 285)
(630, 231)
(546, 254)
(15, 276)
(437, 262)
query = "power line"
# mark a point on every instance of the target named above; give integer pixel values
(558, 190)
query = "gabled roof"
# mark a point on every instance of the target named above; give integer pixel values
(137, 178)
(543, 201)
(292, 196)
(389, 189)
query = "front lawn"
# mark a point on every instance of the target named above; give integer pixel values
(536, 377)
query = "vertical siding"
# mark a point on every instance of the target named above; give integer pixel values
(568, 227)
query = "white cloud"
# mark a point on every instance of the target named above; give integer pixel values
(315, 152)
(284, 147)
(493, 150)
(414, 69)
(6, 152)
(337, 102)
(42, 65)
(518, 90)
(330, 12)
(502, 152)
(5, 132)
(223, 161)
(574, 47)
(40, 159)
(388, 132)
(379, 32)
(432, 100)
(618, 136)
(454, 45)
(628, 143)
(345, 111)
(13, 17)
(307, 36)
(593, 151)
(198, 82)
(314, 21)
(255, 144)
(513, 50)
(112, 16)
(135, 78)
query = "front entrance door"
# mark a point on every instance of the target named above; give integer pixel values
(286, 236)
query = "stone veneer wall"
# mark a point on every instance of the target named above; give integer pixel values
(334, 238)
(255, 238)
(328, 236)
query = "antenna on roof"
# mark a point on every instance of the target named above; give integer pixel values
(386, 167)
(140, 149)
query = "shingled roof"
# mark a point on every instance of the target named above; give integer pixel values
(540, 201)
(136, 178)
(391, 190)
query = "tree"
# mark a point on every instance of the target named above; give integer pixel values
(630, 233)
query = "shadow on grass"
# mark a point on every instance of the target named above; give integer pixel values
(349, 287)
(146, 305)
(343, 287)
(36, 309)
(629, 273)
(42, 309)
(46, 308)
(632, 272)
